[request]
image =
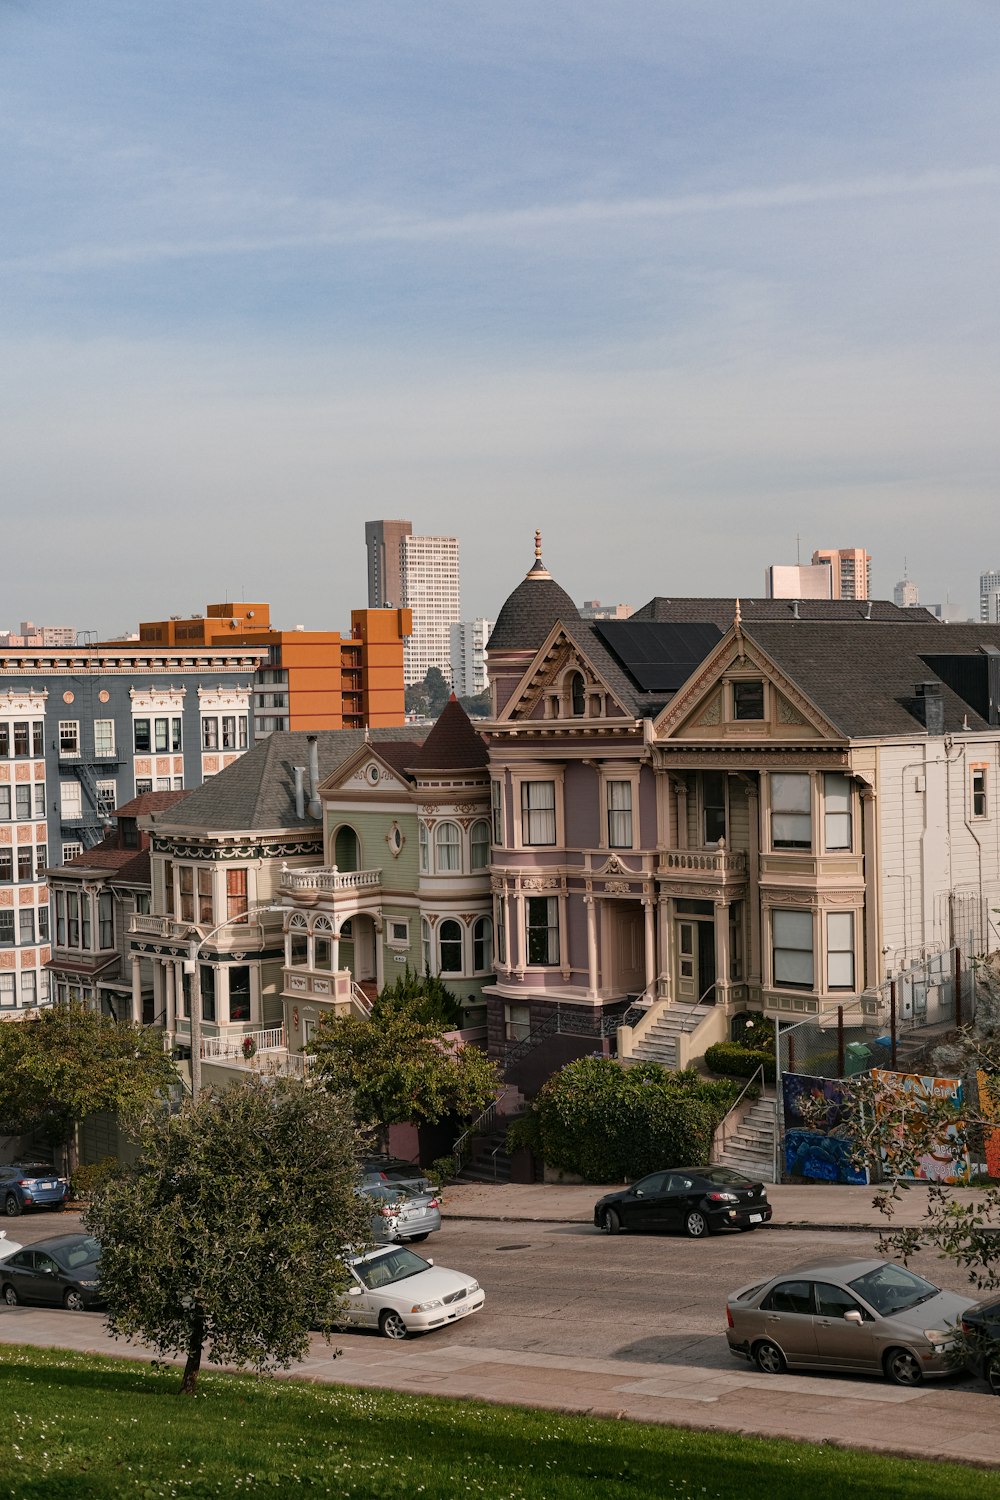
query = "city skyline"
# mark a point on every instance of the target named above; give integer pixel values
(676, 285)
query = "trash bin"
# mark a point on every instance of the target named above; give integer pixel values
(856, 1055)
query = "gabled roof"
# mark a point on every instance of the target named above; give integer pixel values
(258, 790)
(722, 611)
(131, 866)
(149, 802)
(453, 744)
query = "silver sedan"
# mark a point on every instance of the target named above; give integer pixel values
(870, 1316)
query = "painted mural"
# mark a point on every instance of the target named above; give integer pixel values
(949, 1162)
(818, 1146)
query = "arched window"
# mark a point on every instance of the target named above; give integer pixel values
(482, 945)
(425, 850)
(448, 846)
(451, 947)
(479, 844)
(298, 943)
(345, 849)
(322, 943)
(578, 695)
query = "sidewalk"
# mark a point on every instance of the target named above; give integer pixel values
(813, 1207)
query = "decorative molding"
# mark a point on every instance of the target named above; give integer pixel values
(617, 888)
(712, 713)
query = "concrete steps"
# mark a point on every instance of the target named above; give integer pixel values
(750, 1147)
(659, 1043)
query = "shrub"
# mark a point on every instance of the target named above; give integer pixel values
(753, 1030)
(425, 997)
(441, 1170)
(88, 1178)
(606, 1123)
(734, 1061)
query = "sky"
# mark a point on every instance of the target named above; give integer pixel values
(691, 287)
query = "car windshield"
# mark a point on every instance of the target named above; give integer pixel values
(394, 1265)
(36, 1170)
(725, 1175)
(80, 1253)
(892, 1289)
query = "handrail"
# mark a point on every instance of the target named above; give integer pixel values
(487, 1117)
(360, 999)
(724, 1124)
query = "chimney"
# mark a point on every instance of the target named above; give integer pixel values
(929, 706)
(315, 805)
(300, 796)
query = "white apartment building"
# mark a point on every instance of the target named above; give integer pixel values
(989, 598)
(906, 594)
(799, 581)
(468, 656)
(431, 591)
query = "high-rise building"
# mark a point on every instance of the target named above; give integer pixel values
(989, 597)
(419, 573)
(593, 609)
(468, 657)
(850, 571)
(794, 581)
(906, 594)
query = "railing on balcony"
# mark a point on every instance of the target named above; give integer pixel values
(330, 879)
(147, 925)
(219, 1047)
(705, 861)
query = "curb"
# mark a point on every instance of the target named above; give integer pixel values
(795, 1224)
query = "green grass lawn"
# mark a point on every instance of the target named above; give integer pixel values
(85, 1426)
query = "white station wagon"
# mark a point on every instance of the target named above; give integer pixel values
(398, 1292)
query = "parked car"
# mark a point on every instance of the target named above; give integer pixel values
(398, 1292)
(699, 1200)
(981, 1326)
(7, 1247)
(33, 1185)
(870, 1316)
(391, 1169)
(63, 1270)
(401, 1214)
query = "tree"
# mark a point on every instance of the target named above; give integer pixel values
(478, 705)
(73, 1062)
(429, 697)
(399, 1068)
(425, 997)
(229, 1231)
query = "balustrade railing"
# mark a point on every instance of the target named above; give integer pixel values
(330, 880)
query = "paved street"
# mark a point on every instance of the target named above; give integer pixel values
(626, 1325)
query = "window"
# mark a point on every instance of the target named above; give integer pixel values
(425, 853)
(39, 791)
(69, 737)
(185, 884)
(542, 923)
(236, 893)
(161, 734)
(85, 937)
(620, 814)
(105, 920)
(4, 740)
(837, 811)
(25, 862)
(792, 933)
(791, 815)
(4, 804)
(206, 911)
(104, 738)
(298, 947)
(479, 845)
(22, 738)
(840, 950)
(399, 934)
(175, 734)
(538, 812)
(43, 924)
(27, 988)
(790, 1296)
(141, 735)
(41, 860)
(448, 846)
(979, 804)
(8, 993)
(501, 915)
(209, 734)
(142, 903)
(6, 928)
(70, 851)
(748, 700)
(6, 865)
(451, 947)
(239, 994)
(72, 919)
(207, 976)
(71, 802)
(578, 695)
(38, 748)
(107, 795)
(143, 784)
(425, 942)
(22, 801)
(26, 925)
(496, 811)
(517, 1022)
(229, 731)
(713, 798)
(482, 945)
(168, 887)
(835, 1301)
(163, 783)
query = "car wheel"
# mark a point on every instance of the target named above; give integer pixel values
(611, 1221)
(993, 1376)
(391, 1325)
(695, 1224)
(10, 1295)
(417, 1239)
(768, 1358)
(73, 1300)
(903, 1368)
(12, 1206)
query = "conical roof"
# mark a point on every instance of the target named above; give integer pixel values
(453, 744)
(530, 612)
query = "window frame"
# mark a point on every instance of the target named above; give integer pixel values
(69, 739)
(550, 927)
(104, 739)
(479, 848)
(482, 945)
(782, 916)
(497, 810)
(453, 846)
(453, 943)
(789, 845)
(830, 818)
(979, 802)
(834, 919)
(746, 683)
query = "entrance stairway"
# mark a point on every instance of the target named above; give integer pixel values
(659, 1043)
(749, 1148)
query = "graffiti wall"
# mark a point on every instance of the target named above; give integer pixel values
(818, 1147)
(948, 1161)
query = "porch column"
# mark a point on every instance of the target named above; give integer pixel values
(649, 913)
(666, 975)
(517, 929)
(681, 814)
(753, 942)
(379, 926)
(722, 953)
(335, 948)
(166, 971)
(136, 990)
(178, 968)
(589, 903)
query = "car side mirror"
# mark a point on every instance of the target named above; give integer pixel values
(429, 1261)
(354, 1291)
(853, 1317)
(637, 1192)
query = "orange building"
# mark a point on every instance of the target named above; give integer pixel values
(312, 679)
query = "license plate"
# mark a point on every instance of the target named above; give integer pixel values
(460, 1312)
(756, 1218)
(46, 1184)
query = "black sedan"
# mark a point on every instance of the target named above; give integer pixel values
(60, 1272)
(698, 1200)
(981, 1326)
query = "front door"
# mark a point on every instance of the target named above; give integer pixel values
(629, 976)
(695, 961)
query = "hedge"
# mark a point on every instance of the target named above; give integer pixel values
(735, 1061)
(608, 1123)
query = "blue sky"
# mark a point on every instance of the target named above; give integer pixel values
(675, 282)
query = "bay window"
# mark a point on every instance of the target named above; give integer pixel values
(791, 810)
(542, 929)
(792, 948)
(538, 813)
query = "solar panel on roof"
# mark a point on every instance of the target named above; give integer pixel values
(659, 656)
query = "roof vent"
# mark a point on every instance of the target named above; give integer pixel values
(928, 706)
(868, 609)
(795, 609)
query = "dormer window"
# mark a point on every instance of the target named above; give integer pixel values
(748, 699)
(578, 695)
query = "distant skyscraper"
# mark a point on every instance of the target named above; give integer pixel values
(419, 573)
(850, 571)
(906, 594)
(593, 609)
(468, 656)
(795, 581)
(989, 598)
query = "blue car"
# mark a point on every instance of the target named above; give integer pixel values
(32, 1185)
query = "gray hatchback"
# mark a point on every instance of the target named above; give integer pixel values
(870, 1316)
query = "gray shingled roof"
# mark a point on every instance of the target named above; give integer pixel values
(721, 611)
(529, 613)
(258, 790)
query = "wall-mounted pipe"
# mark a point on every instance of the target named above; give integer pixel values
(315, 805)
(300, 795)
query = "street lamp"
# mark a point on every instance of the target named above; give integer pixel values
(193, 969)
